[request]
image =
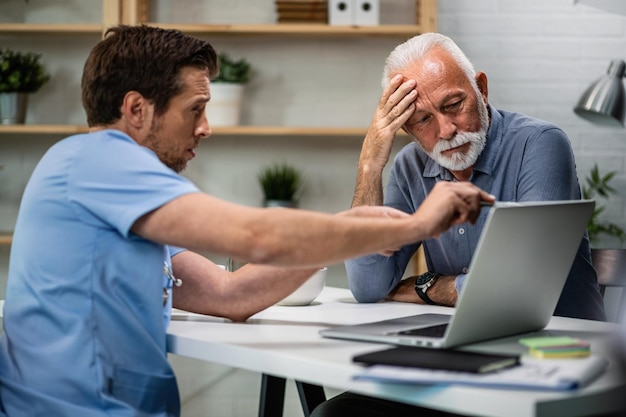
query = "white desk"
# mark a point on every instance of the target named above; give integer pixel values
(284, 341)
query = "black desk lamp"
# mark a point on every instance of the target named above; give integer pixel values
(603, 102)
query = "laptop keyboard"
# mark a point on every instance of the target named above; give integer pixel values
(431, 331)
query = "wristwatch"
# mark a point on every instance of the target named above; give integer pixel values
(423, 283)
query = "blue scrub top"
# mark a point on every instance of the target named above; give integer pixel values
(84, 319)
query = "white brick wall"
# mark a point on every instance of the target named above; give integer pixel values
(539, 57)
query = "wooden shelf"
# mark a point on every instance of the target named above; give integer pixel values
(290, 29)
(5, 239)
(133, 11)
(27, 129)
(217, 131)
(295, 29)
(287, 131)
(50, 29)
(137, 11)
(357, 132)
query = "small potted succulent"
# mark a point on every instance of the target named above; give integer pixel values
(227, 90)
(282, 185)
(21, 73)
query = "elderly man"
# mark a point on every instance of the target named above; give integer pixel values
(433, 93)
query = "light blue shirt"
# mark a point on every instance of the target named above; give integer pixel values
(525, 159)
(84, 317)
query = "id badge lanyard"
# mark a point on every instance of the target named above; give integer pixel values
(169, 280)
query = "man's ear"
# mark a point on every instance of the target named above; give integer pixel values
(481, 80)
(135, 109)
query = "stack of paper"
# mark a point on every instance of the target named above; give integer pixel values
(556, 347)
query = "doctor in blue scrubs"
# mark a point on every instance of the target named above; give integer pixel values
(97, 261)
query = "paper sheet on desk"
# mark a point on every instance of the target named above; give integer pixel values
(182, 315)
(543, 374)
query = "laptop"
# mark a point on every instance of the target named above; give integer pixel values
(515, 279)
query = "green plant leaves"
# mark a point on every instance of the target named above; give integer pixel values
(233, 71)
(280, 181)
(21, 72)
(598, 185)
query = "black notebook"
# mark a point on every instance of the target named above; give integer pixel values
(443, 359)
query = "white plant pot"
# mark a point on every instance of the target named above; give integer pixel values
(224, 109)
(280, 203)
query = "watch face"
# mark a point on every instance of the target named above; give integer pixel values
(424, 279)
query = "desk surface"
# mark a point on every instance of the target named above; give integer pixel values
(284, 341)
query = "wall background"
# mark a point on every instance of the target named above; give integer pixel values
(539, 56)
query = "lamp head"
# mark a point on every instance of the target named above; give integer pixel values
(603, 102)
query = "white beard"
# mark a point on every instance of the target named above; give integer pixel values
(459, 161)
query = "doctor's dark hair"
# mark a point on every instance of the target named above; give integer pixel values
(140, 58)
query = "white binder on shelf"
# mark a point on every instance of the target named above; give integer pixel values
(341, 12)
(367, 13)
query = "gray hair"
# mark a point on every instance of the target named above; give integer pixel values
(417, 47)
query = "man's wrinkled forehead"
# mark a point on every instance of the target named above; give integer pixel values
(436, 71)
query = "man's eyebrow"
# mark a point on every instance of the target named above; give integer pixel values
(419, 112)
(454, 94)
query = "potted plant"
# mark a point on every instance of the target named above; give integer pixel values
(597, 185)
(282, 185)
(233, 71)
(227, 89)
(609, 262)
(21, 73)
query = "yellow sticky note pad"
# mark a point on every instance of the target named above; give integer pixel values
(547, 342)
(548, 354)
(556, 347)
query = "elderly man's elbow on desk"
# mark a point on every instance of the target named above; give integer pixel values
(368, 294)
(365, 297)
(365, 279)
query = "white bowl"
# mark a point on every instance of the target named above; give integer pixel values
(307, 292)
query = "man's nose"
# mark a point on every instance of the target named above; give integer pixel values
(447, 127)
(204, 128)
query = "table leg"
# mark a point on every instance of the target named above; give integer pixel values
(272, 399)
(310, 396)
